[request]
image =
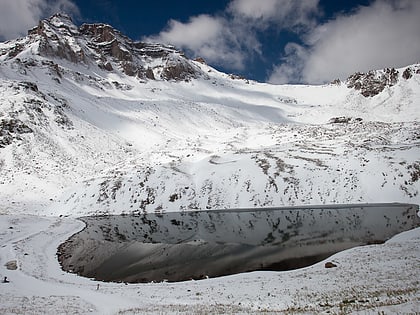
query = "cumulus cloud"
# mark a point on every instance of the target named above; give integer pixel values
(17, 16)
(231, 38)
(212, 37)
(292, 66)
(288, 14)
(254, 9)
(386, 33)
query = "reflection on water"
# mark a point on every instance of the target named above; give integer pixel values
(195, 245)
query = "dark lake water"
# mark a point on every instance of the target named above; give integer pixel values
(180, 246)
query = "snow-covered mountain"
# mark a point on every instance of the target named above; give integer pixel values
(93, 122)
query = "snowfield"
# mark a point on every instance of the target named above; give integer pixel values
(367, 280)
(87, 154)
(94, 123)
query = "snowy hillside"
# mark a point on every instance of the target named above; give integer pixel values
(93, 122)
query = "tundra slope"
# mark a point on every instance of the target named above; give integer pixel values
(92, 122)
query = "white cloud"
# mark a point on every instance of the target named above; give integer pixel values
(289, 14)
(213, 38)
(231, 39)
(17, 16)
(290, 71)
(386, 33)
(254, 9)
(198, 29)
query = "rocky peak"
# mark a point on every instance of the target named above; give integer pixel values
(105, 41)
(178, 69)
(58, 27)
(56, 38)
(105, 47)
(117, 50)
(58, 23)
(373, 82)
(98, 33)
(409, 72)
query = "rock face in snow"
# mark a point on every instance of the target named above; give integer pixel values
(11, 129)
(93, 122)
(58, 37)
(374, 82)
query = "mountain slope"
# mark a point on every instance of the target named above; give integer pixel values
(93, 122)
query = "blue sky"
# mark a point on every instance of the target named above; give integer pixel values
(139, 19)
(278, 41)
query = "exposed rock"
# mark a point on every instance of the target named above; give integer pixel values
(153, 50)
(55, 35)
(11, 129)
(11, 265)
(102, 45)
(149, 74)
(330, 264)
(238, 77)
(200, 60)
(108, 42)
(122, 86)
(13, 126)
(107, 66)
(119, 53)
(344, 120)
(373, 82)
(340, 120)
(98, 33)
(178, 70)
(414, 171)
(16, 50)
(407, 74)
(29, 86)
(129, 69)
(60, 21)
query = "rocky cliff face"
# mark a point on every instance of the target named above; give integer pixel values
(374, 82)
(105, 47)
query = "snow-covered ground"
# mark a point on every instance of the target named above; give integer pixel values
(375, 279)
(170, 146)
(80, 134)
(77, 139)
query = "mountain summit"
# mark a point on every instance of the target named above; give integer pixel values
(93, 122)
(102, 46)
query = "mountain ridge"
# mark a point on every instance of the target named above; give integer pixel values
(93, 122)
(101, 45)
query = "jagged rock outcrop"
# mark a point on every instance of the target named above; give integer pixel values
(101, 45)
(55, 37)
(37, 110)
(200, 60)
(178, 69)
(11, 129)
(344, 120)
(373, 82)
(409, 72)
